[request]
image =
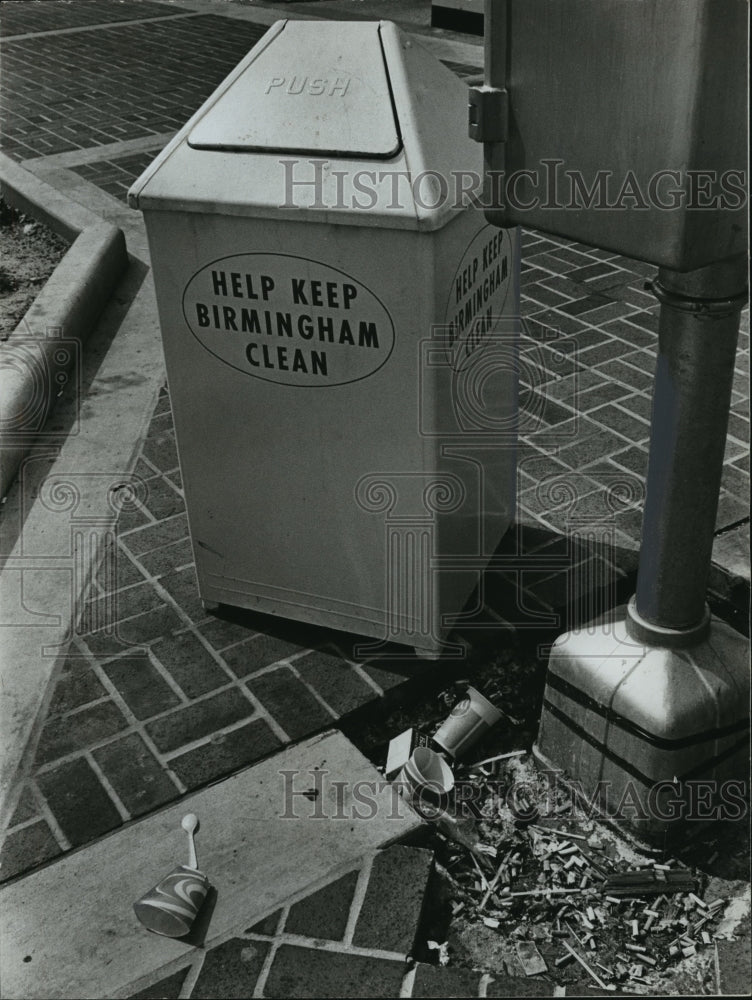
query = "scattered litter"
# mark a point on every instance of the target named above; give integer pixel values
(530, 958)
(170, 908)
(469, 720)
(483, 880)
(401, 750)
(443, 950)
(645, 883)
(426, 774)
(520, 861)
(486, 849)
(594, 975)
(547, 892)
(550, 830)
(500, 756)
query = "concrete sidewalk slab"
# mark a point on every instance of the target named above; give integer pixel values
(69, 930)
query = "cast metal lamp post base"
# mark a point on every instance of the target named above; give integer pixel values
(646, 713)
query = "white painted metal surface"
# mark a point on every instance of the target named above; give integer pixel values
(345, 427)
(301, 95)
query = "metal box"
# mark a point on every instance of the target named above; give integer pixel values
(339, 335)
(627, 124)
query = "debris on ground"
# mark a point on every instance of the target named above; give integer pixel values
(29, 252)
(545, 888)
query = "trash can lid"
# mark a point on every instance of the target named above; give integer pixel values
(314, 89)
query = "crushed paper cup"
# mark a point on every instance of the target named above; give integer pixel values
(469, 720)
(171, 906)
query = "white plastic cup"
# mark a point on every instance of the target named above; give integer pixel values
(469, 720)
(426, 772)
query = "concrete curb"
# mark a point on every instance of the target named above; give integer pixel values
(40, 353)
(28, 193)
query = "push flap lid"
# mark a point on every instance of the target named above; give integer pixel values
(319, 88)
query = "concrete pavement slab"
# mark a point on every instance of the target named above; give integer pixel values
(69, 930)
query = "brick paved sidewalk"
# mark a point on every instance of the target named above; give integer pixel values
(360, 934)
(354, 936)
(348, 937)
(177, 698)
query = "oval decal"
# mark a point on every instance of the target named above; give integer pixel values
(288, 319)
(478, 294)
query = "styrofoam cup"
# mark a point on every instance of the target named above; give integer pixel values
(469, 720)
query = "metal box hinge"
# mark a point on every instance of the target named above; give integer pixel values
(488, 114)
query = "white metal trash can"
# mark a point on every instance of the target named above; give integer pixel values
(339, 334)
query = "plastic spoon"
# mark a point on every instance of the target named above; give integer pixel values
(190, 825)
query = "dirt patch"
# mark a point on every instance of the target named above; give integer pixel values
(29, 253)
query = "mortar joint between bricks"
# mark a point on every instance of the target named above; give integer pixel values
(408, 981)
(359, 895)
(258, 989)
(193, 973)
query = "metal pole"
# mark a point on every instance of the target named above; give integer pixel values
(493, 131)
(495, 43)
(698, 331)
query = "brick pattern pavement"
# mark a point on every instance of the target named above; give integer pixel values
(171, 698)
(34, 16)
(354, 936)
(591, 346)
(351, 937)
(117, 174)
(176, 698)
(61, 92)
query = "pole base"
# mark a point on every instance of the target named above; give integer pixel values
(648, 737)
(651, 634)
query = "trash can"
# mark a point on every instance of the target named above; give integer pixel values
(339, 331)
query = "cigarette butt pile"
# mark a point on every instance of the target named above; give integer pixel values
(555, 883)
